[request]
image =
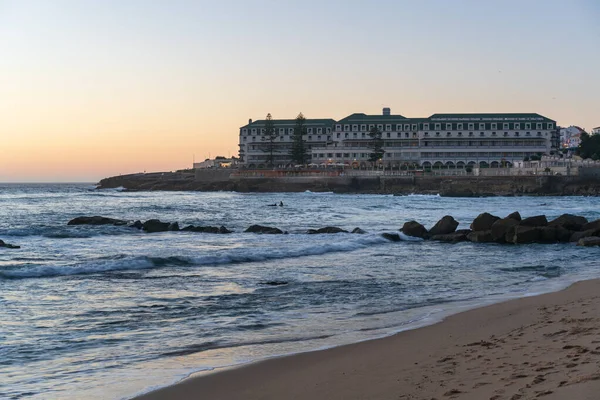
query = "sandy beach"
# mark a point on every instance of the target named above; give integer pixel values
(546, 346)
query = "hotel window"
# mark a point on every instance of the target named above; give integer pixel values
(380, 127)
(482, 127)
(354, 128)
(527, 126)
(414, 127)
(254, 131)
(406, 134)
(362, 135)
(244, 131)
(363, 127)
(448, 127)
(310, 138)
(309, 130)
(406, 127)
(388, 134)
(538, 126)
(437, 134)
(319, 130)
(426, 127)
(539, 133)
(494, 126)
(280, 138)
(481, 133)
(388, 127)
(338, 127)
(398, 127)
(354, 134)
(328, 130)
(291, 131)
(253, 137)
(505, 126)
(550, 126)
(346, 128)
(460, 127)
(438, 127)
(345, 135)
(371, 126)
(319, 137)
(517, 127)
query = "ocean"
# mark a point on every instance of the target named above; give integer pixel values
(106, 312)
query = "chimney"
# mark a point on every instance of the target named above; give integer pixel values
(386, 111)
(249, 121)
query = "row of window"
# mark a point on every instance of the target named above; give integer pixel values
(472, 155)
(285, 131)
(447, 126)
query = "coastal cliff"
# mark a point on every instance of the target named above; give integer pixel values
(457, 186)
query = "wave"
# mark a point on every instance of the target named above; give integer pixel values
(407, 238)
(231, 256)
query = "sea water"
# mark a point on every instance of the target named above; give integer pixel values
(107, 312)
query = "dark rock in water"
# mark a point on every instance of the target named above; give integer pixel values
(516, 216)
(576, 236)
(414, 229)
(483, 222)
(206, 229)
(569, 221)
(525, 234)
(589, 241)
(155, 225)
(5, 245)
(263, 229)
(591, 225)
(538, 220)
(501, 227)
(137, 224)
(480, 236)
(393, 237)
(454, 237)
(358, 230)
(548, 234)
(274, 283)
(96, 220)
(174, 226)
(327, 229)
(444, 226)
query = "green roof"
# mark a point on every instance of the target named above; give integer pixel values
(291, 122)
(474, 116)
(364, 118)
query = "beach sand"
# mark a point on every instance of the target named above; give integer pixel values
(545, 346)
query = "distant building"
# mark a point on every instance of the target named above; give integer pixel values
(438, 141)
(596, 130)
(570, 137)
(217, 163)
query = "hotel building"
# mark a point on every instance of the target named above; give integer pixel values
(438, 141)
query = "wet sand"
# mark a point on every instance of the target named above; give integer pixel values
(545, 346)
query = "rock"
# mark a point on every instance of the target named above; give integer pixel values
(263, 229)
(96, 220)
(274, 283)
(576, 236)
(591, 225)
(155, 225)
(224, 230)
(137, 224)
(5, 245)
(393, 237)
(501, 227)
(454, 237)
(174, 226)
(548, 234)
(414, 229)
(327, 229)
(589, 241)
(569, 221)
(444, 226)
(358, 230)
(525, 234)
(480, 236)
(538, 220)
(516, 216)
(483, 222)
(206, 229)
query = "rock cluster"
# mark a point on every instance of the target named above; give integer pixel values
(150, 226)
(488, 228)
(5, 245)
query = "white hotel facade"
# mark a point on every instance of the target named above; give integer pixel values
(438, 141)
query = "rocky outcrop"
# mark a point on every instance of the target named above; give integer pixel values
(480, 236)
(516, 216)
(502, 227)
(483, 222)
(206, 229)
(263, 229)
(538, 220)
(589, 241)
(524, 235)
(327, 229)
(569, 221)
(454, 237)
(393, 237)
(5, 245)
(576, 236)
(444, 226)
(591, 225)
(96, 220)
(155, 225)
(358, 230)
(137, 224)
(414, 229)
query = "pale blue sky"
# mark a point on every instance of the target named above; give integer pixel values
(165, 79)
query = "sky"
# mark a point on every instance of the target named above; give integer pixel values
(90, 89)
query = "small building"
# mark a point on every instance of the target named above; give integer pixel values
(596, 130)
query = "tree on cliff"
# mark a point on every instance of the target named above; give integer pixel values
(375, 144)
(270, 135)
(589, 146)
(298, 152)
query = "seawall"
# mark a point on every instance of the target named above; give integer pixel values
(459, 186)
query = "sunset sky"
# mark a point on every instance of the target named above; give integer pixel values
(90, 89)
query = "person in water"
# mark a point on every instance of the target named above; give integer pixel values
(281, 204)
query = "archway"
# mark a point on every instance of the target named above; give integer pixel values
(450, 165)
(483, 164)
(495, 164)
(460, 165)
(438, 165)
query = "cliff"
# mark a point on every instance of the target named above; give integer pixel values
(458, 186)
